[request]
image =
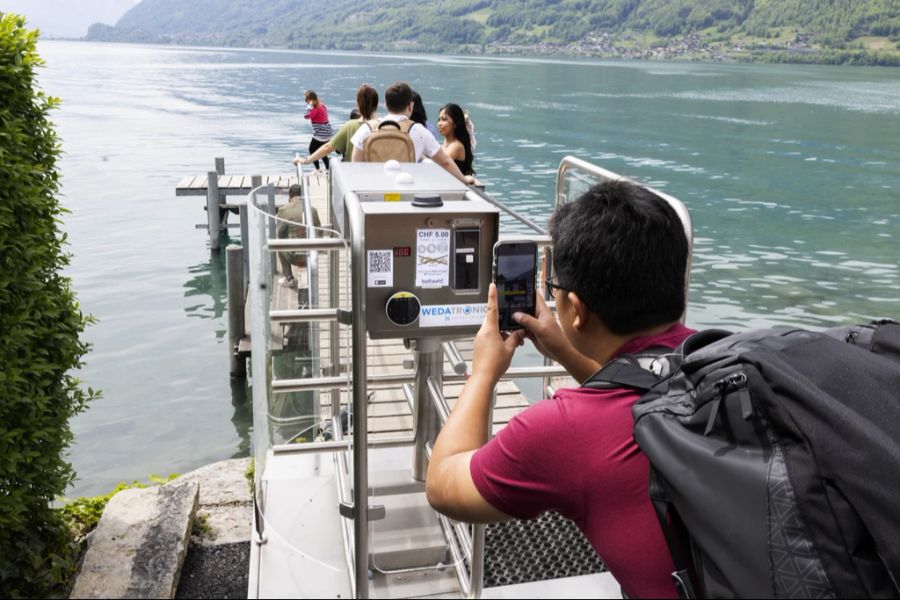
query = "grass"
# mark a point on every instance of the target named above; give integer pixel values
(876, 43)
(480, 16)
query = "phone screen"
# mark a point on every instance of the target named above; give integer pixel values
(514, 273)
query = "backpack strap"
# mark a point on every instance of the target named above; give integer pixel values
(406, 125)
(389, 123)
(373, 125)
(629, 372)
(676, 536)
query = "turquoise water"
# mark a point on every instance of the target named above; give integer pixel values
(790, 172)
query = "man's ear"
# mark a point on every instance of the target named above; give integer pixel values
(582, 314)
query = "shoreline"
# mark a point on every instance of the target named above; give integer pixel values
(686, 49)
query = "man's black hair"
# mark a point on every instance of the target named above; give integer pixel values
(398, 97)
(623, 250)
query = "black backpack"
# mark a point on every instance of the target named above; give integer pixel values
(775, 459)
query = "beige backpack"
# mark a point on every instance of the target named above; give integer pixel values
(389, 140)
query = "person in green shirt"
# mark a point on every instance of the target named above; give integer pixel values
(366, 105)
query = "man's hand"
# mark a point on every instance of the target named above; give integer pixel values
(543, 330)
(300, 161)
(494, 350)
(548, 337)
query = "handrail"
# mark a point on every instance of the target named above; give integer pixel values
(570, 162)
(301, 244)
(283, 386)
(303, 315)
(511, 212)
(541, 241)
(360, 408)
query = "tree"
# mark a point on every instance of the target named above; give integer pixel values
(40, 325)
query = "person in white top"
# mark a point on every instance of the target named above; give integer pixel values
(399, 101)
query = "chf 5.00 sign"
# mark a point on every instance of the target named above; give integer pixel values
(432, 258)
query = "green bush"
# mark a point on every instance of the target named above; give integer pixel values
(40, 324)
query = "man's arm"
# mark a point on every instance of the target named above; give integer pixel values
(358, 155)
(449, 484)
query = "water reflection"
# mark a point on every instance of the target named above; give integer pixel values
(208, 283)
(242, 419)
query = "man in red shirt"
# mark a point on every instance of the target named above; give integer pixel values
(620, 255)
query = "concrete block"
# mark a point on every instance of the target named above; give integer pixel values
(225, 502)
(139, 546)
(221, 483)
(225, 525)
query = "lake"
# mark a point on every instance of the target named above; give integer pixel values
(790, 172)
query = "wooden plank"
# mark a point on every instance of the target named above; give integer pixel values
(184, 183)
(200, 182)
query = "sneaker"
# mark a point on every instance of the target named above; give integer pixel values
(289, 282)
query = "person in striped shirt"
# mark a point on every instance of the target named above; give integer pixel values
(318, 117)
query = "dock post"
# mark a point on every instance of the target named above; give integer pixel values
(223, 212)
(270, 197)
(234, 270)
(212, 209)
(255, 182)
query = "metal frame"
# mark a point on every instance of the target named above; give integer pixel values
(465, 544)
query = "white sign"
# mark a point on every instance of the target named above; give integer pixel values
(452, 315)
(381, 268)
(432, 258)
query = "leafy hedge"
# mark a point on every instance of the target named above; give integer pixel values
(40, 324)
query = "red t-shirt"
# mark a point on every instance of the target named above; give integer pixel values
(576, 454)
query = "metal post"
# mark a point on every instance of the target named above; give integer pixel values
(476, 568)
(429, 364)
(235, 277)
(255, 182)
(334, 299)
(270, 198)
(212, 209)
(360, 393)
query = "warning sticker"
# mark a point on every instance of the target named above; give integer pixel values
(381, 268)
(432, 258)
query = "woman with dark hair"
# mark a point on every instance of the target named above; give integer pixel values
(419, 115)
(457, 141)
(366, 105)
(318, 117)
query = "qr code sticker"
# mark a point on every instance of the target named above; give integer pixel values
(381, 268)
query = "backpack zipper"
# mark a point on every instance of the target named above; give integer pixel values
(736, 382)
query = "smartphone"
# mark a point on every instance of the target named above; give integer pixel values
(515, 265)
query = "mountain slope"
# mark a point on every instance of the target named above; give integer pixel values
(800, 27)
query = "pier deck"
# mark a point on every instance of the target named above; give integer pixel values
(231, 185)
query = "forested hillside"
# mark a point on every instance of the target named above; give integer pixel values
(814, 30)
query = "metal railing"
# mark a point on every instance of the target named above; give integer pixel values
(570, 163)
